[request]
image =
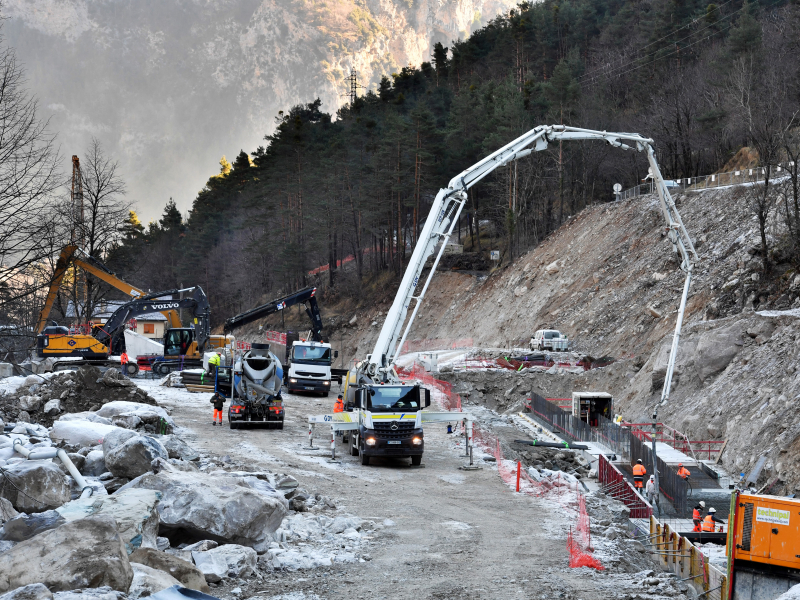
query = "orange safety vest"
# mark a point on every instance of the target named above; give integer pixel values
(638, 474)
(695, 515)
(124, 358)
(708, 523)
(683, 472)
(338, 407)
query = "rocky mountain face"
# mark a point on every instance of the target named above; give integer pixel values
(608, 278)
(168, 87)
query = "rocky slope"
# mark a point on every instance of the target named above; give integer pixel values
(609, 280)
(178, 83)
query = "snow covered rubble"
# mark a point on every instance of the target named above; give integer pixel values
(154, 495)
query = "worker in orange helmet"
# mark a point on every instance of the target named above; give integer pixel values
(639, 473)
(338, 405)
(683, 471)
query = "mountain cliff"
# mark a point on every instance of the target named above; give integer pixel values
(168, 86)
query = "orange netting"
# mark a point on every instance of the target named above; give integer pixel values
(446, 397)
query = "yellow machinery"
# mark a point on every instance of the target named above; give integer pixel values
(57, 341)
(763, 546)
(182, 346)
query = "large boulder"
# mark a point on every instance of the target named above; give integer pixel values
(215, 507)
(148, 581)
(134, 456)
(177, 448)
(229, 560)
(7, 511)
(95, 464)
(81, 433)
(81, 554)
(185, 572)
(38, 485)
(146, 412)
(34, 591)
(716, 350)
(25, 526)
(134, 511)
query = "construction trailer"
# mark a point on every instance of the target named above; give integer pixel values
(763, 546)
(587, 406)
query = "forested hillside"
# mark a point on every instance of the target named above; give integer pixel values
(701, 79)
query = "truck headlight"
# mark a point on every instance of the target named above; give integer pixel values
(326, 383)
(292, 380)
(370, 441)
(417, 441)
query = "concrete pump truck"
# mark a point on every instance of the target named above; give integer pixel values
(387, 415)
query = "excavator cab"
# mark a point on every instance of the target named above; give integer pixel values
(179, 342)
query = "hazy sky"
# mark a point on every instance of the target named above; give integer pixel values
(169, 86)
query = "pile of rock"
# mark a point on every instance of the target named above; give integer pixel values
(43, 399)
(556, 460)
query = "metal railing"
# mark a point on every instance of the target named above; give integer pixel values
(615, 484)
(703, 182)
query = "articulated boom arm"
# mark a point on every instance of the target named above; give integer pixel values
(305, 297)
(73, 255)
(448, 205)
(198, 303)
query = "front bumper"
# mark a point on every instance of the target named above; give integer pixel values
(308, 385)
(387, 445)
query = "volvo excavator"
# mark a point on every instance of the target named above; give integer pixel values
(183, 346)
(387, 415)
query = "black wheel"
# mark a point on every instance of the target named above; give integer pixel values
(164, 369)
(324, 394)
(364, 459)
(279, 425)
(353, 447)
(131, 369)
(234, 425)
(416, 460)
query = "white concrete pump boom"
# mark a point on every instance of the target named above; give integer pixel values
(447, 207)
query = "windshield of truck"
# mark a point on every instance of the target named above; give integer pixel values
(393, 398)
(306, 355)
(552, 335)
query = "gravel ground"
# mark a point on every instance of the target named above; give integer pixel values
(444, 533)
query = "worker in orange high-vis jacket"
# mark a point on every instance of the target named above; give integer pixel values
(338, 406)
(639, 473)
(708, 522)
(697, 515)
(123, 360)
(683, 471)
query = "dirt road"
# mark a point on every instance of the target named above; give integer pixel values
(448, 533)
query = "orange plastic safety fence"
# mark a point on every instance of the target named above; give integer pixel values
(448, 399)
(580, 558)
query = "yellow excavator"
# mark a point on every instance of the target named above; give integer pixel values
(183, 346)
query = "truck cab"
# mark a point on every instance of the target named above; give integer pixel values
(390, 423)
(310, 367)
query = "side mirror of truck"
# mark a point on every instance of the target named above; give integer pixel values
(427, 397)
(335, 354)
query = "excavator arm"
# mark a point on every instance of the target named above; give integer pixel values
(197, 303)
(73, 255)
(448, 205)
(305, 297)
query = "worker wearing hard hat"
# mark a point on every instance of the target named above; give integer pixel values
(651, 491)
(697, 515)
(639, 473)
(711, 518)
(682, 471)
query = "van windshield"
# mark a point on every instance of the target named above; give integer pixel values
(551, 335)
